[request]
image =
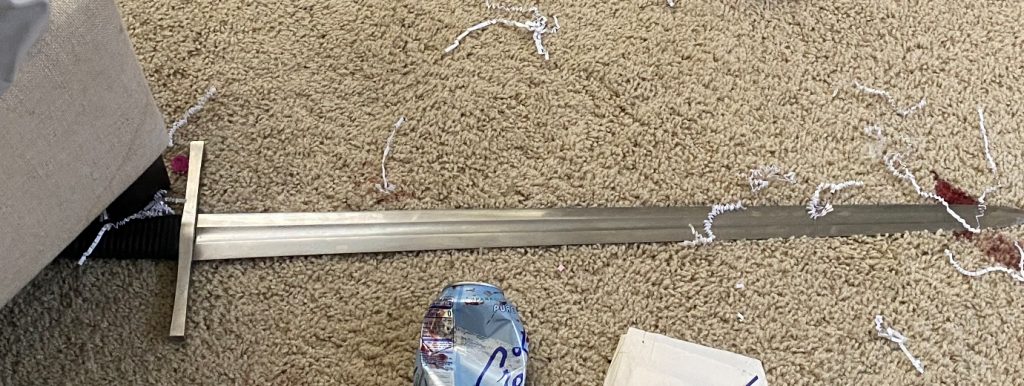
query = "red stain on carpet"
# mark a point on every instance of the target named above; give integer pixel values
(1000, 249)
(996, 246)
(952, 194)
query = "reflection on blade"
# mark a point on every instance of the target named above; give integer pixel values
(232, 236)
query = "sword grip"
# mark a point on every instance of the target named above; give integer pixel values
(151, 238)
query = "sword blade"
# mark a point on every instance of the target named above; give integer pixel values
(238, 236)
(234, 236)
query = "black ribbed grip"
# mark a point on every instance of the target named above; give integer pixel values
(151, 238)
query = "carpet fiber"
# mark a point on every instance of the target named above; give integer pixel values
(640, 104)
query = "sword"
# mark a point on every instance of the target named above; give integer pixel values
(253, 235)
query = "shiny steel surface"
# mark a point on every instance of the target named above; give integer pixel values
(233, 236)
(253, 235)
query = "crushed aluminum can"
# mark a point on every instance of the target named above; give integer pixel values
(471, 335)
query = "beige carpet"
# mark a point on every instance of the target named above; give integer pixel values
(639, 105)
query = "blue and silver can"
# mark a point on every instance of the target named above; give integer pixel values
(471, 335)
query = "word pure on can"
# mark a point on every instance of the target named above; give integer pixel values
(471, 335)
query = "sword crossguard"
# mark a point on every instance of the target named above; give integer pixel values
(186, 239)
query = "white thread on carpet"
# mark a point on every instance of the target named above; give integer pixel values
(181, 122)
(876, 150)
(671, 3)
(385, 186)
(538, 25)
(982, 205)
(509, 8)
(891, 334)
(920, 105)
(561, 267)
(984, 140)
(175, 200)
(890, 100)
(761, 177)
(740, 317)
(1017, 275)
(894, 162)
(156, 208)
(875, 131)
(708, 235)
(817, 208)
(740, 285)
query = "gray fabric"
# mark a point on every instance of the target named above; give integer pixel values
(21, 23)
(76, 128)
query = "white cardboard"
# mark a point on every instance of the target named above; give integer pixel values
(644, 358)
